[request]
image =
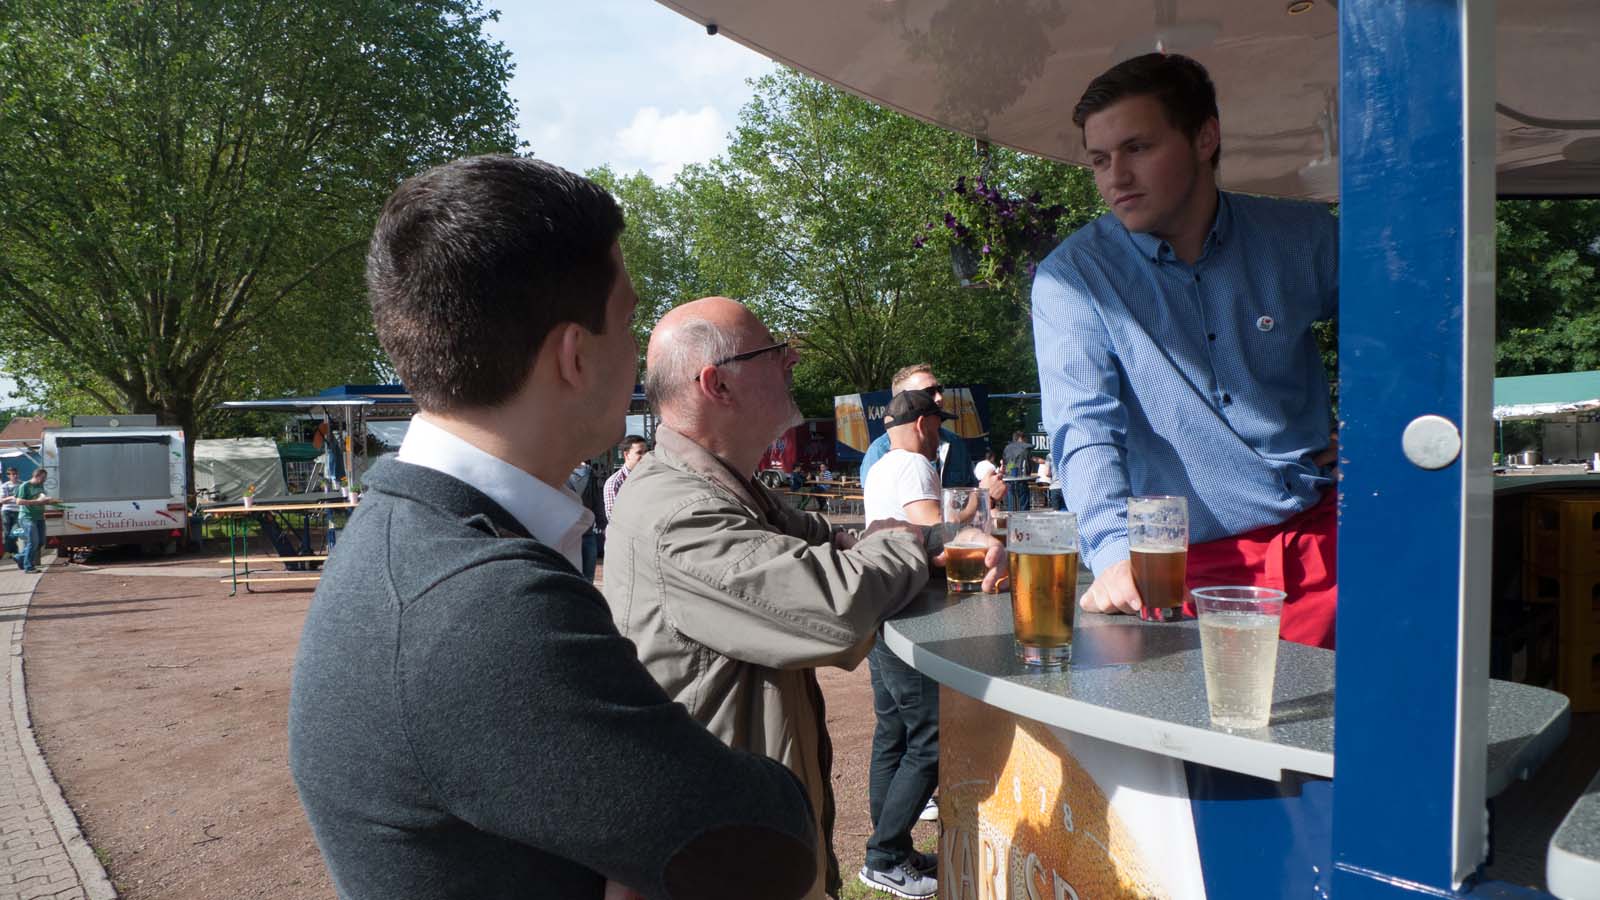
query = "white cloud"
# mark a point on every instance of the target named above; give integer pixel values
(663, 144)
(623, 83)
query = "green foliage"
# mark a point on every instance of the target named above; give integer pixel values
(186, 189)
(1547, 286)
(655, 245)
(811, 218)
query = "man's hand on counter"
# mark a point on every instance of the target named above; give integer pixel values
(1113, 592)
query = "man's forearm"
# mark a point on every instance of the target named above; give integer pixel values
(1097, 489)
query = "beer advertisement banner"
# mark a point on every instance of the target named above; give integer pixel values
(1030, 811)
(858, 419)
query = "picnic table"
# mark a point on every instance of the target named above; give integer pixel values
(850, 502)
(300, 560)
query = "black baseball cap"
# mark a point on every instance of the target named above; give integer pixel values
(909, 406)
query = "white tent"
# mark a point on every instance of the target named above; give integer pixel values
(227, 466)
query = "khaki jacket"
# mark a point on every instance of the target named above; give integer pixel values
(733, 599)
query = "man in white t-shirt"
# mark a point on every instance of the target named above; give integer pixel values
(907, 486)
(905, 744)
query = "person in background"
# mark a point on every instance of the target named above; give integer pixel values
(952, 463)
(1016, 456)
(465, 721)
(8, 509)
(32, 500)
(1176, 353)
(1051, 482)
(634, 447)
(588, 489)
(905, 741)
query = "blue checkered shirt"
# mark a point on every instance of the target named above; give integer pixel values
(1204, 381)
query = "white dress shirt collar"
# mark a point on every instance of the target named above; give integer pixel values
(554, 516)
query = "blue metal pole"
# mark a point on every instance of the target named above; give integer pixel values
(1416, 345)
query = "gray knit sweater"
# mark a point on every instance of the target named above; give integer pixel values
(467, 722)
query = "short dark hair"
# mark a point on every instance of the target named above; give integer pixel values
(38, 470)
(1182, 86)
(472, 265)
(630, 440)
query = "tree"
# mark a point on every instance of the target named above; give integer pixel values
(1547, 286)
(186, 188)
(813, 217)
(656, 246)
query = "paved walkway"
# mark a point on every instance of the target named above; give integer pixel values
(42, 852)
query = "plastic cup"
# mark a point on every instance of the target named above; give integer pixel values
(1158, 553)
(965, 516)
(1239, 648)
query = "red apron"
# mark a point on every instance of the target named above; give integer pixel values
(1298, 556)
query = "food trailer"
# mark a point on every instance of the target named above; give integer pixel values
(120, 480)
(1101, 780)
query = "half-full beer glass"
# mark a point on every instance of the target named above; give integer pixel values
(1158, 552)
(1042, 549)
(965, 513)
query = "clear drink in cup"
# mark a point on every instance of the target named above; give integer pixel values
(1158, 553)
(965, 514)
(1239, 648)
(1042, 549)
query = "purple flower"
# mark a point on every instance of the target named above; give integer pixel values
(985, 249)
(961, 231)
(961, 184)
(928, 226)
(950, 221)
(917, 242)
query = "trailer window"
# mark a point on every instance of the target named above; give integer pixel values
(115, 468)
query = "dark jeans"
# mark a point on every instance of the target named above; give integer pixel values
(591, 554)
(1056, 500)
(1018, 497)
(8, 520)
(905, 755)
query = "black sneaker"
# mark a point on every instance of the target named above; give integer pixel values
(901, 881)
(926, 863)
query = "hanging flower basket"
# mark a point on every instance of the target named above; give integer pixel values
(993, 236)
(964, 262)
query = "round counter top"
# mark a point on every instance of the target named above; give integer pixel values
(1142, 685)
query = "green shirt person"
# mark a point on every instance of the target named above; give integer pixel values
(32, 498)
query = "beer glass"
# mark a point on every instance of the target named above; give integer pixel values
(965, 514)
(1158, 552)
(1239, 649)
(1042, 548)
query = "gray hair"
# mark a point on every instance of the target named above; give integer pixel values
(689, 347)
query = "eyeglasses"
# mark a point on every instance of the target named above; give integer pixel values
(749, 354)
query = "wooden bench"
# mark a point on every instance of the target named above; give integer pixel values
(278, 559)
(250, 579)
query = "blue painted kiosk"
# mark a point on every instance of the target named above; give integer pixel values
(1106, 780)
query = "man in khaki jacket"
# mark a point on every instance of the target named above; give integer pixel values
(732, 597)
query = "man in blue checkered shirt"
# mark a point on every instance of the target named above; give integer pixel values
(1176, 354)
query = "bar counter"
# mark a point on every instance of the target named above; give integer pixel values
(1107, 778)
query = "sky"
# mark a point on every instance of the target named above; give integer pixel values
(627, 83)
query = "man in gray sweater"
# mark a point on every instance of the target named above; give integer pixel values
(466, 720)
